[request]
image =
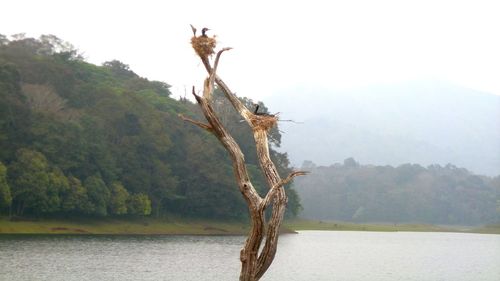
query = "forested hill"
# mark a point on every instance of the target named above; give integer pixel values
(403, 194)
(80, 139)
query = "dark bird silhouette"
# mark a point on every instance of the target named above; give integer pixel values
(256, 109)
(203, 31)
(256, 112)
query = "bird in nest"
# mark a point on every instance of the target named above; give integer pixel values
(203, 45)
(256, 112)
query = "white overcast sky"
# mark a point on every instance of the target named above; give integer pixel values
(280, 44)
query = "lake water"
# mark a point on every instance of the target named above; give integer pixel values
(307, 256)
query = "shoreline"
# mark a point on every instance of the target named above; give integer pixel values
(300, 224)
(178, 226)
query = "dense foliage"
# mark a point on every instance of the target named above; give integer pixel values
(407, 193)
(80, 139)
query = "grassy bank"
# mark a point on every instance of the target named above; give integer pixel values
(489, 229)
(202, 227)
(344, 226)
(122, 226)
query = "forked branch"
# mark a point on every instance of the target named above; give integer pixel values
(270, 194)
(197, 123)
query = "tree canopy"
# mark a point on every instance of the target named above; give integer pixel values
(407, 193)
(82, 139)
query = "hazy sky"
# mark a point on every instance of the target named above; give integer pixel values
(279, 44)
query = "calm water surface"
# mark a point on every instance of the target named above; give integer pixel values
(310, 255)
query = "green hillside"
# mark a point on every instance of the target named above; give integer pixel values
(408, 193)
(77, 139)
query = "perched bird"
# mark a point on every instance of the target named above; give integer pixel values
(203, 32)
(256, 109)
(256, 112)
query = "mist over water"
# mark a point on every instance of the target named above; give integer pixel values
(310, 255)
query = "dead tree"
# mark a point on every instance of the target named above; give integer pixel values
(255, 258)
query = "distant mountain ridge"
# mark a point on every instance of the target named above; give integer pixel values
(426, 123)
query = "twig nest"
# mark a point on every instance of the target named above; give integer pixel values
(264, 122)
(203, 45)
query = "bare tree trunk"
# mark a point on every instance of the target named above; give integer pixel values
(254, 263)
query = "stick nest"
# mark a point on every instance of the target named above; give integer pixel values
(265, 122)
(203, 45)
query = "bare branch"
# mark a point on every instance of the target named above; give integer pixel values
(197, 123)
(196, 97)
(216, 63)
(193, 29)
(237, 104)
(290, 120)
(213, 73)
(270, 194)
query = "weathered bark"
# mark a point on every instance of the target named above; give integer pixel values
(253, 263)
